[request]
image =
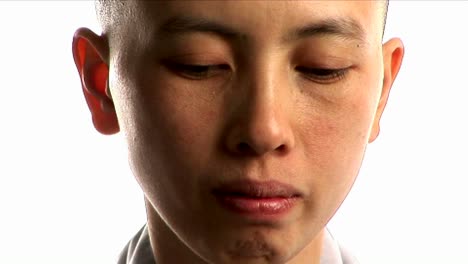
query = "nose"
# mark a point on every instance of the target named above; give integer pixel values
(260, 123)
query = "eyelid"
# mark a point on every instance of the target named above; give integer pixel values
(323, 75)
(198, 58)
(196, 71)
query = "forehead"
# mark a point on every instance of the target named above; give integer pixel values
(261, 19)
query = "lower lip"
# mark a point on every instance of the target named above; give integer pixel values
(257, 207)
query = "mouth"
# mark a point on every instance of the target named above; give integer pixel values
(256, 199)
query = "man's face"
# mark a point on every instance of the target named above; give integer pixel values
(247, 121)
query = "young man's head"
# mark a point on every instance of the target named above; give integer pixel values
(246, 122)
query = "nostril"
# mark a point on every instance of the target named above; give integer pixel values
(243, 148)
(281, 148)
(247, 149)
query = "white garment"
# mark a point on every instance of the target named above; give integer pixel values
(138, 251)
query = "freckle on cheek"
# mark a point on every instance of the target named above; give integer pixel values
(326, 128)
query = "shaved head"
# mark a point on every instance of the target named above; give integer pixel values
(111, 13)
(250, 118)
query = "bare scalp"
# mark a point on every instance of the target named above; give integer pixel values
(112, 13)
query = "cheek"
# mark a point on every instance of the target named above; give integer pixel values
(335, 138)
(185, 120)
(173, 128)
(335, 146)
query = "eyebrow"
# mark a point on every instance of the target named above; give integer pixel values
(346, 28)
(181, 25)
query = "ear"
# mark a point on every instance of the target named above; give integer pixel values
(393, 52)
(91, 54)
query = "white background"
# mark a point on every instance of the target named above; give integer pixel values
(67, 195)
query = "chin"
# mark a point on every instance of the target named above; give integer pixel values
(257, 245)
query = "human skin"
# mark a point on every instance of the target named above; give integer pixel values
(264, 111)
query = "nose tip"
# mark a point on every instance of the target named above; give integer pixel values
(260, 137)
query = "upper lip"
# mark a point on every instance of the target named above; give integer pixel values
(256, 189)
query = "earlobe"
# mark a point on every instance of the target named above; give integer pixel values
(393, 52)
(90, 53)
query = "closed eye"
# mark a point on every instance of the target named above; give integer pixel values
(197, 71)
(323, 75)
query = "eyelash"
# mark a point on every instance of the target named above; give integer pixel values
(323, 75)
(197, 71)
(201, 71)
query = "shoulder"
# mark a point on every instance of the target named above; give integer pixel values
(138, 249)
(347, 257)
(334, 253)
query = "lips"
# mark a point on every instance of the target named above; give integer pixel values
(257, 189)
(257, 199)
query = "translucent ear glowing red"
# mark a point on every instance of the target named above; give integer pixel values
(94, 73)
(103, 113)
